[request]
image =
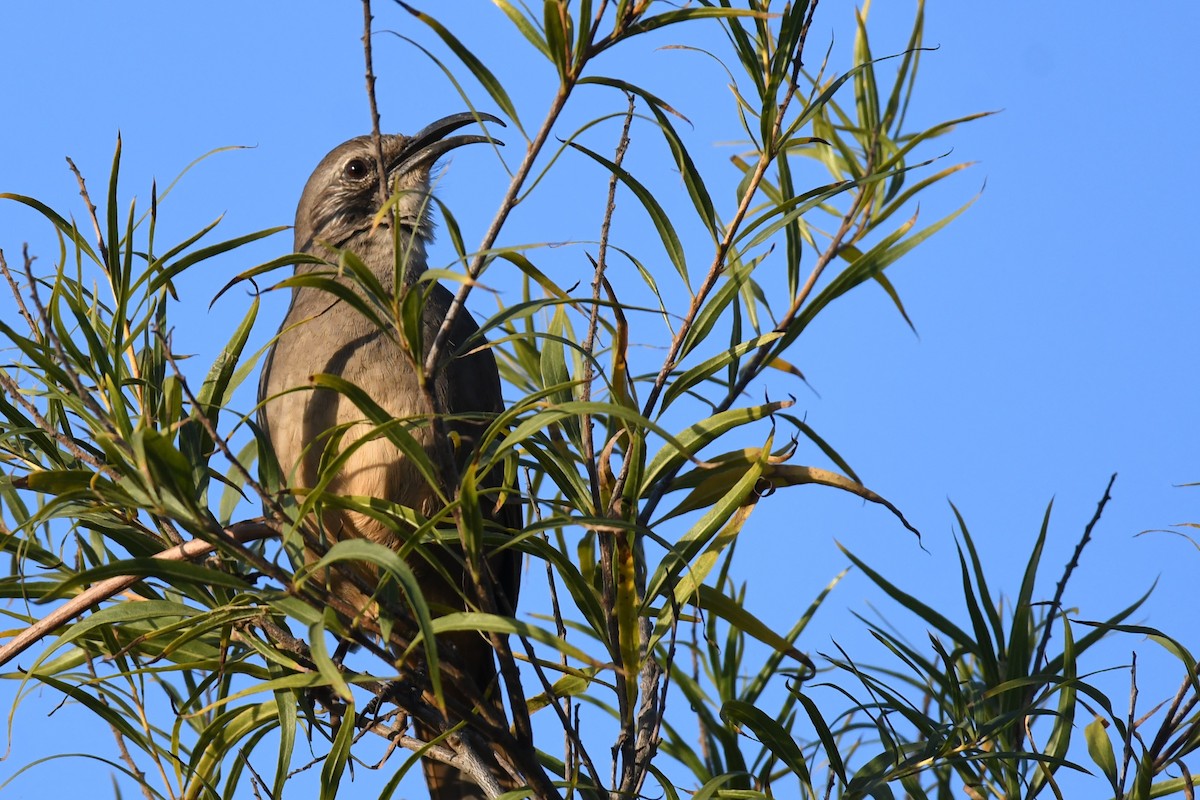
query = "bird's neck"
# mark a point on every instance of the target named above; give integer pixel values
(378, 251)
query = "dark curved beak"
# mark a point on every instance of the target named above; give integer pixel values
(429, 144)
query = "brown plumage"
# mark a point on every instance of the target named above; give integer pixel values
(322, 334)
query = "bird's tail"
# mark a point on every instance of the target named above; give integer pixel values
(446, 782)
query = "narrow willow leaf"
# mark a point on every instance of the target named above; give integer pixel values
(387, 426)
(906, 74)
(866, 91)
(771, 734)
(528, 29)
(666, 18)
(577, 408)
(567, 686)
(795, 475)
(330, 672)
(628, 617)
(990, 658)
(689, 442)
(522, 262)
(173, 572)
(554, 369)
(119, 720)
(926, 613)
(688, 546)
(733, 612)
(169, 271)
(219, 739)
(1021, 647)
(662, 222)
(692, 179)
(390, 563)
(492, 623)
(874, 261)
(326, 282)
(68, 229)
(707, 369)
(904, 197)
(1059, 741)
(558, 42)
(339, 756)
(470, 518)
(487, 80)
(712, 787)
(1101, 750)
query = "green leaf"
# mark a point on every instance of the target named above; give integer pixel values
(169, 271)
(1101, 750)
(487, 80)
(528, 29)
(710, 367)
(692, 440)
(772, 735)
(662, 222)
(688, 546)
(339, 756)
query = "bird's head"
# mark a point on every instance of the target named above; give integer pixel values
(342, 197)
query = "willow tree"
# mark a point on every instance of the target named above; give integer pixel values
(135, 487)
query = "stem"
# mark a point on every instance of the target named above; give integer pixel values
(475, 268)
(1056, 603)
(376, 136)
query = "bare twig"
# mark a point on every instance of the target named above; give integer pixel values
(239, 533)
(70, 445)
(376, 136)
(570, 730)
(589, 342)
(135, 771)
(1056, 603)
(64, 362)
(766, 157)
(507, 204)
(20, 301)
(83, 192)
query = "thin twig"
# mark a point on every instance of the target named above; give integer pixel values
(1130, 724)
(20, 301)
(83, 192)
(589, 342)
(239, 533)
(475, 268)
(1056, 603)
(572, 744)
(70, 445)
(563, 714)
(65, 363)
(135, 771)
(376, 136)
(766, 157)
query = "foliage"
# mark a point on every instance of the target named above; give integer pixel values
(207, 652)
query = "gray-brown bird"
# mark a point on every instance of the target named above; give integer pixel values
(324, 334)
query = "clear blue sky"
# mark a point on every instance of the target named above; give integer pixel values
(1057, 319)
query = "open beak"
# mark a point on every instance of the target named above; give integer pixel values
(430, 144)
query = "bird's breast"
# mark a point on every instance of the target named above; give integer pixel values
(309, 427)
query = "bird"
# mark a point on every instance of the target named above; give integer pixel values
(322, 332)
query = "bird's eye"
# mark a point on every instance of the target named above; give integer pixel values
(356, 168)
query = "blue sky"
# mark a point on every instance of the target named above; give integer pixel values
(1057, 318)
